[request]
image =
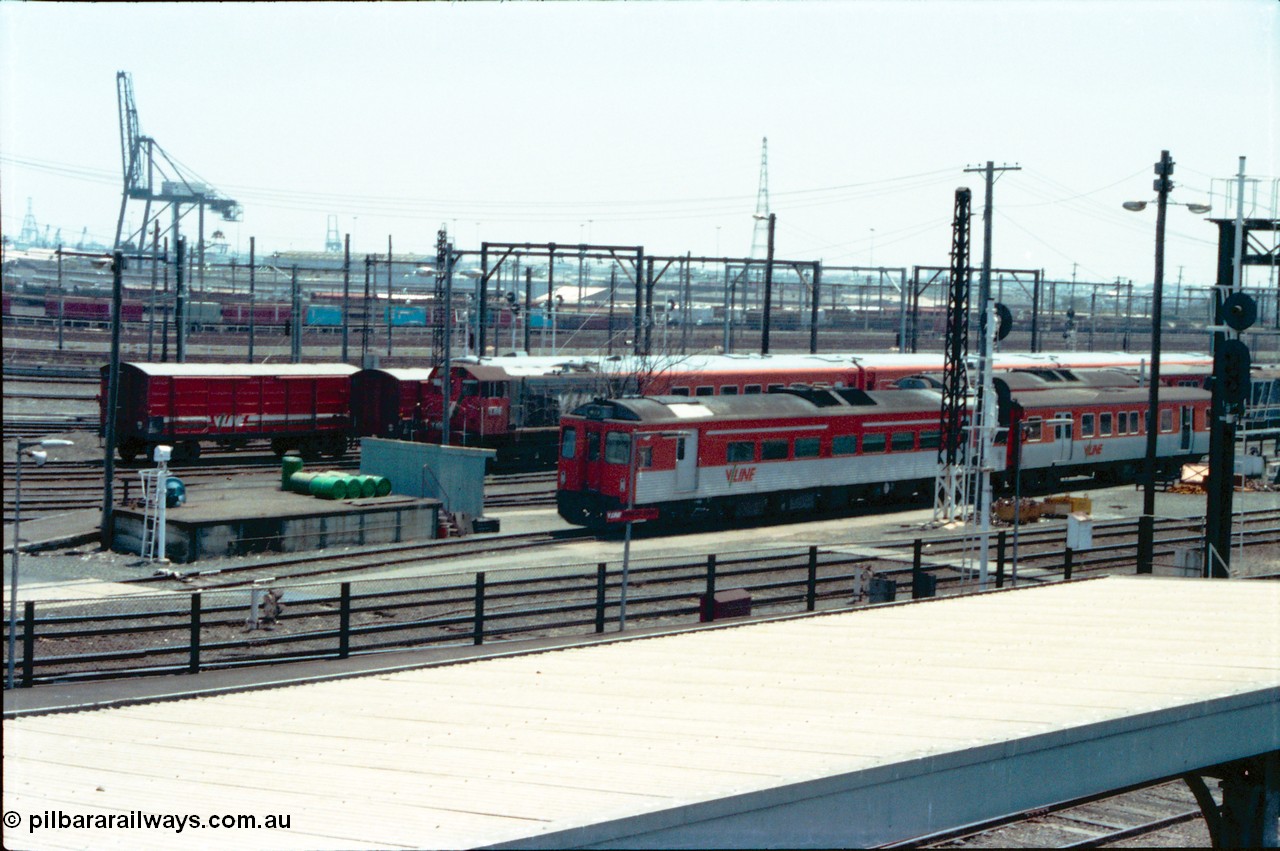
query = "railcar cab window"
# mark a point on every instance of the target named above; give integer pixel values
(740, 451)
(1104, 425)
(1086, 425)
(705, 390)
(1166, 420)
(774, 450)
(617, 448)
(470, 387)
(873, 443)
(493, 389)
(646, 457)
(751, 389)
(569, 443)
(903, 441)
(844, 444)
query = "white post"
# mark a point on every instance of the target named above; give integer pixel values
(162, 501)
(626, 541)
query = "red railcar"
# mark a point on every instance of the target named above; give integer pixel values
(306, 407)
(824, 449)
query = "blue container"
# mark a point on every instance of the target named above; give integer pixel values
(324, 315)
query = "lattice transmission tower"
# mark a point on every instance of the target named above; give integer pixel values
(760, 233)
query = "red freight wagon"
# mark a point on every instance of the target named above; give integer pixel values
(296, 406)
(90, 310)
(262, 314)
(393, 402)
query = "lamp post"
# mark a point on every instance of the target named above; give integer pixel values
(1146, 524)
(23, 446)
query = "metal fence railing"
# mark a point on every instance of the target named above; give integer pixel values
(225, 628)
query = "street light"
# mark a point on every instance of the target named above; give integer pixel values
(27, 447)
(1146, 524)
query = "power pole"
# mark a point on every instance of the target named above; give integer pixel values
(982, 410)
(768, 287)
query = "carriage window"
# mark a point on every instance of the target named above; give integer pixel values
(903, 441)
(1133, 422)
(729, 390)
(679, 391)
(741, 450)
(873, 443)
(751, 389)
(1122, 423)
(844, 444)
(1033, 430)
(774, 388)
(705, 390)
(617, 448)
(593, 446)
(1086, 425)
(646, 457)
(1166, 420)
(773, 450)
(1062, 430)
(569, 443)
(1104, 425)
(930, 439)
(808, 447)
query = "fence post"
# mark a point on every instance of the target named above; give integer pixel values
(917, 559)
(1069, 557)
(344, 621)
(193, 667)
(707, 611)
(479, 628)
(600, 574)
(811, 591)
(28, 643)
(1000, 543)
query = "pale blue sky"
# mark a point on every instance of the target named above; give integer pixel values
(641, 123)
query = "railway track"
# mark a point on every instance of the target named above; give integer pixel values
(71, 485)
(1165, 814)
(322, 564)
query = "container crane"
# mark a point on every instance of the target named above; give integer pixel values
(145, 163)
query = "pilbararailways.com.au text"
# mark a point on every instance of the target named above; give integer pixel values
(139, 820)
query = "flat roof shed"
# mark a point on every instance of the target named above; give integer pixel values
(847, 729)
